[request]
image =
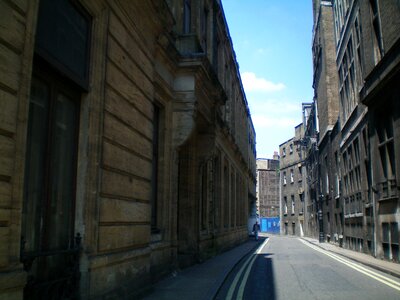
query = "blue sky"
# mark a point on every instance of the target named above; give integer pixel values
(272, 41)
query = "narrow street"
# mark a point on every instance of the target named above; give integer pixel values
(290, 268)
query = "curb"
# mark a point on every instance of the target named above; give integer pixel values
(371, 265)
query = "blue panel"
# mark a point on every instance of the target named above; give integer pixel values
(263, 225)
(270, 225)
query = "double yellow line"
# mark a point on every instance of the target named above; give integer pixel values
(247, 268)
(379, 277)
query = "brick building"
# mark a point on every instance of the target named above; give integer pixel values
(127, 147)
(380, 69)
(268, 186)
(292, 184)
(358, 151)
(325, 84)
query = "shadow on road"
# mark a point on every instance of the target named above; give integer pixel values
(261, 283)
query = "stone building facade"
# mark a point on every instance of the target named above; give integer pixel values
(325, 84)
(127, 146)
(292, 184)
(308, 148)
(268, 186)
(380, 69)
(358, 173)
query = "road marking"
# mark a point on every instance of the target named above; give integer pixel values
(246, 266)
(337, 257)
(379, 277)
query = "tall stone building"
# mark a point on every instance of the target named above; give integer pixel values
(268, 186)
(325, 84)
(292, 182)
(358, 153)
(126, 144)
(380, 68)
(308, 148)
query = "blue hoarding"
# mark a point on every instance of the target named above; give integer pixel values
(270, 225)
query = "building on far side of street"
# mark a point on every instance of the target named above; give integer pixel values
(268, 186)
(292, 184)
(356, 73)
(378, 45)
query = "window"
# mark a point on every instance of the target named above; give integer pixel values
(204, 30)
(155, 169)
(292, 198)
(291, 148)
(59, 77)
(352, 178)
(204, 195)
(216, 52)
(348, 86)
(285, 207)
(218, 187)
(394, 239)
(283, 152)
(291, 176)
(187, 18)
(284, 178)
(358, 34)
(50, 165)
(300, 173)
(337, 186)
(386, 145)
(301, 210)
(233, 199)
(376, 24)
(62, 39)
(338, 25)
(346, 6)
(293, 228)
(226, 194)
(386, 240)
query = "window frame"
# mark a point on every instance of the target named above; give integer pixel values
(44, 73)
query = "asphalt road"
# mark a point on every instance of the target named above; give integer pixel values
(289, 268)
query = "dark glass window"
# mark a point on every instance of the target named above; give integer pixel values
(226, 195)
(155, 171)
(376, 24)
(50, 166)
(204, 30)
(62, 38)
(394, 233)
(204, 196)
(187, 12)
(59, 74)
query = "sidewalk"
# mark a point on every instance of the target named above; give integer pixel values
(365, 259)
(201, 281)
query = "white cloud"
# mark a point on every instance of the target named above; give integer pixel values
(252, 83)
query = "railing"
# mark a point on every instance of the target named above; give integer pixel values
(62, 284)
